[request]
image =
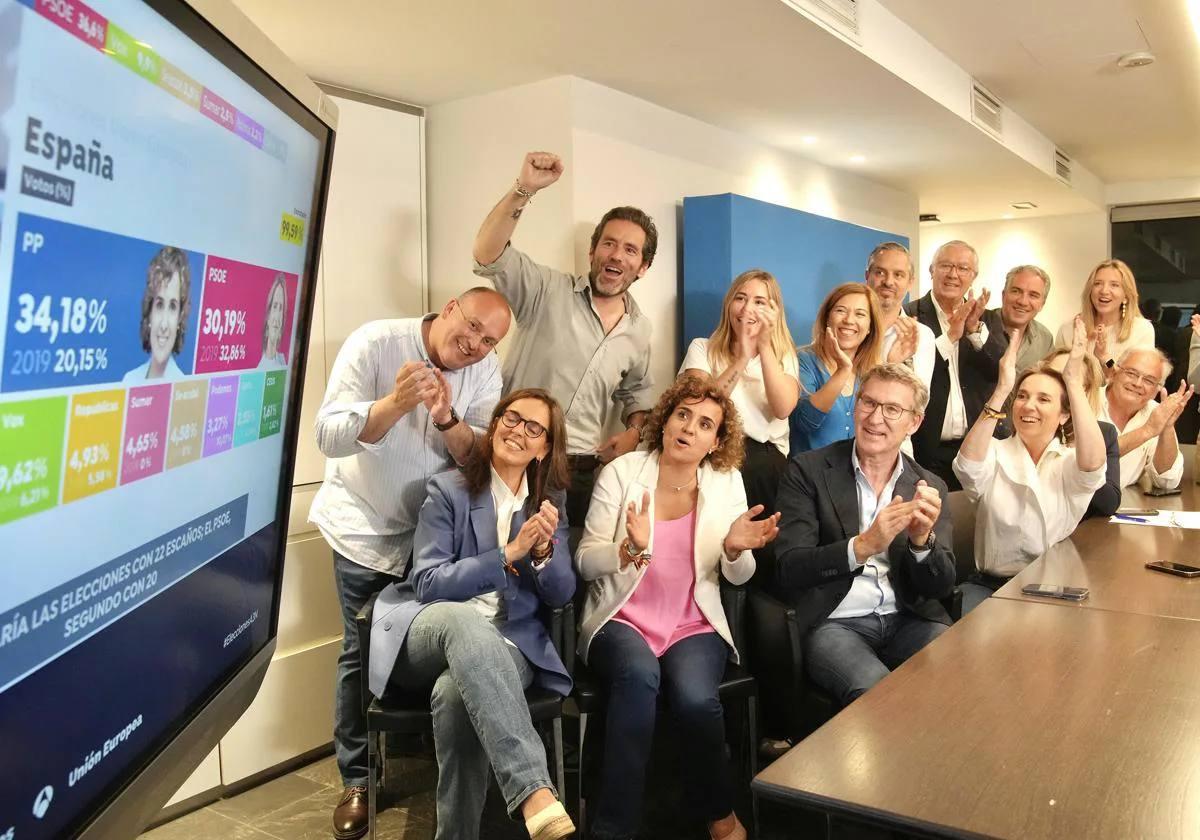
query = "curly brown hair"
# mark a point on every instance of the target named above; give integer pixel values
(163, 266)
(693, 388)
(545, 477)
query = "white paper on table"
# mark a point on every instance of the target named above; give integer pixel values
(1163, 519)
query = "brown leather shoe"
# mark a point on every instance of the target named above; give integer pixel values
(350, 815)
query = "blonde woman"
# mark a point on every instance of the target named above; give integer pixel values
(753, 359)
(846, 342)
(1109, 306)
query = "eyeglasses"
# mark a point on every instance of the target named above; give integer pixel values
(533, 429)
(890, 411)
(477, 328)
(961, 268)
(1140, 378)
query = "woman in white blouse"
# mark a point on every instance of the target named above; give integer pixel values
(1109, 308)
(753, 359)
(1032, 488)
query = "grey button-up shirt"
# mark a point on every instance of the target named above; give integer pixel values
(597, 379)
(1036, 343)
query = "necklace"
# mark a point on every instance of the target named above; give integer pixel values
(682, 487)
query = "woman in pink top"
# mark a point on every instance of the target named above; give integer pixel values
(663, 527)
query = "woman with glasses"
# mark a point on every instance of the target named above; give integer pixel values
(846, 342)
(1032, 488)
(1109, 307)
(664, 526)
(753, 359)
(490, 547)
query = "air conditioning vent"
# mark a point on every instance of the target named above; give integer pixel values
(840, 16)
(1062, 166)
(986, 110)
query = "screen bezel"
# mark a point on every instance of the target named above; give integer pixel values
(151, 778)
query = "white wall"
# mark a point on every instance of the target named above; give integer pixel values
(475, 147)
(617, 149)
(1149, 192)
(1067, 247)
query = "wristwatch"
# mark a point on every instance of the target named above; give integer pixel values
(928, 544)
(635, 556)
(449, 424)
(992, 413)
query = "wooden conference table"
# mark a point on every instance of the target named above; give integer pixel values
(1033, 717)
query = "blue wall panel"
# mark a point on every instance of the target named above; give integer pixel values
(724, 235)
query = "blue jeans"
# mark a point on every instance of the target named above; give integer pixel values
(480, 716)
(847, 656)
(355, 586)
(689, 675)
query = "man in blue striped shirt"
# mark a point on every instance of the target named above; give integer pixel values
(406, 398)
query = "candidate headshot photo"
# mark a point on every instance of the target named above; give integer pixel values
(165, 304)
(276, 311)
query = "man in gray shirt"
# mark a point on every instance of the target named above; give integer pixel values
(1026, 288)
(583, 339)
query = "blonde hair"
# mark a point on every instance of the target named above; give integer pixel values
(1130, 313)
(867, 355)
(720, 344)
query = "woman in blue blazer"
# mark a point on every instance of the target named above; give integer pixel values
(490, 547)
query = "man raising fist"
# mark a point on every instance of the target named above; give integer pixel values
(582, 338)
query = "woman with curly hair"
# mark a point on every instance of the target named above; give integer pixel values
(663, 526)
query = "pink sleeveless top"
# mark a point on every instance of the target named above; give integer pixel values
(663, 606)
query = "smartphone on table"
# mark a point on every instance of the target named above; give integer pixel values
(1049, 590)
(1172, 568)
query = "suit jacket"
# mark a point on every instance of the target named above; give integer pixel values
(819, 503)
(455, 558)
(978, 372)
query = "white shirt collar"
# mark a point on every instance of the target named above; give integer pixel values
(895, 476)
(502, 495)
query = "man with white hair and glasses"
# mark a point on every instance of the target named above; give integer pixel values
(1150, 454)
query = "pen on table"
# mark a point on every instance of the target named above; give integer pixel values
(1128, 518)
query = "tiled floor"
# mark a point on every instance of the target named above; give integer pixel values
(299, 806)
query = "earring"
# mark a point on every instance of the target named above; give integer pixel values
(1123, 306)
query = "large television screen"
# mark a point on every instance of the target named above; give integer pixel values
(160, 200)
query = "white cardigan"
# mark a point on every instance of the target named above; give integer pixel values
(721, 500)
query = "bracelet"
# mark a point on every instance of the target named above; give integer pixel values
(539, 556)
(993, 414)
(521, 191)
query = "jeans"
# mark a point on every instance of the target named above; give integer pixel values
(480, 716)
(689, 675)
(355, 586)
(978, 589)
(847, 656)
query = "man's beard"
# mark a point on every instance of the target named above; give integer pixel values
(597, 291)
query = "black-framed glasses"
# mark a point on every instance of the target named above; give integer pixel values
(890, 411)
(533, 429)
(477, 328)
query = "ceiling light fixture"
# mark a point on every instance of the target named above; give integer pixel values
(1140, 58)
(857, 159)
(1023, 205)
(808, 140)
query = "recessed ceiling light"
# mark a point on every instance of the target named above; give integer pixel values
(857, 159)
(808, 140)
(1135, 59)
(1023, 205)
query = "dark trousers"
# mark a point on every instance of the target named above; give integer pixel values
(688, 674)
(579, 495)
(937, 458)
(355, 586)
(760, 474)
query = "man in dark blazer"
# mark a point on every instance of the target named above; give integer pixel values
(967, 360)
(864, 544)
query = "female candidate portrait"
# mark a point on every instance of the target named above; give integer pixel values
(276, 312)
(165, 304)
